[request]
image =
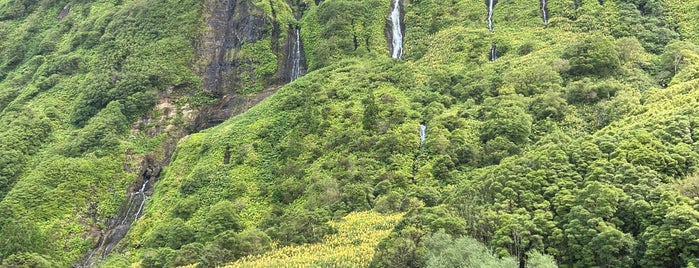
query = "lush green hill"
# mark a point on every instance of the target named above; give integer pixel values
(577, 143)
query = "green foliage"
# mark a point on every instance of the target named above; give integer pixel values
(26, 260)
(341, 28)
(157, 258)
(20, 239)
(299, 227)
(564, 145)
(406, 246)
(445, 251)
(188, 254)
(174, 235)
(592, 56)
(221, 217)
(101, 133)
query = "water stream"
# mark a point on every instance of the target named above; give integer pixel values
(491, 5)
(119, 226)
(397, 35)
(423, 133)
(493, 52)
(295, 57)
(544, 13)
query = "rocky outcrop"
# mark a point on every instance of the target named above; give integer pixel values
(220, 56)
(228, 106)
(229, 24)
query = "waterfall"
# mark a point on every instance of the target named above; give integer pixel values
(118, 226)
(491, 5)
(493, 53)
(397, 38)
(295, 57)
(137, 197)
(423, 133)
(544, 14)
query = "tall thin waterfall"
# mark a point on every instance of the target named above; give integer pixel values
(295, 57)
(544, 13)
(493, 53)
(423, 133)
(491, 5)
(397, 39)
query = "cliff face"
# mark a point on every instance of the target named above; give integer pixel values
(242, 48)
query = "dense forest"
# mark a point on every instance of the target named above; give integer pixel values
(345, 133)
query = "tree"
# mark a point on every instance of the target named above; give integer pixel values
(592, 56)
(21, 236)
(221, 217)
(445, 251)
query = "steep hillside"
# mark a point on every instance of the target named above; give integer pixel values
(546, 132)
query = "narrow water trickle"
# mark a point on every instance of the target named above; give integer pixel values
(493, 52)
(295, 57)
(397, 35)
(544, 12)
(128, 214)
(423, 133)
(491, 5)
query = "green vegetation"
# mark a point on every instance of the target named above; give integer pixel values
(576, 147)
(352, 246)
(70, 87)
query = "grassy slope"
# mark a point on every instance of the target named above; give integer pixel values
(320, 144)
(353, 245)
(66, 194)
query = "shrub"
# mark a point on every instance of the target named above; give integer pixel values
(593, 56)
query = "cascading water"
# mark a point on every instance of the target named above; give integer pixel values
(544, 13)
(423, 133)
(137, 198)
(117, 227)
(493, 53)
(397, 35)
(491, 5)
(295, 57)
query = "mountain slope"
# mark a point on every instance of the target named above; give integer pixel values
(576, 141)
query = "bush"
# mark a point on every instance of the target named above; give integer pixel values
(188, 254)
(251, 242)
(32, 260)
(299, 227)
(157, 258)
(21, 236)
(221, 217)
(172, 234)
(593, 56)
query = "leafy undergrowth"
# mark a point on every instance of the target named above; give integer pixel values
(569, 144)
(352, 246)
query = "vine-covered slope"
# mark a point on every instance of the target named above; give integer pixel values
(574, 146)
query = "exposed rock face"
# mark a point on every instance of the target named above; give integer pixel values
(229, 24)
(219, 53)
(229, 105)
